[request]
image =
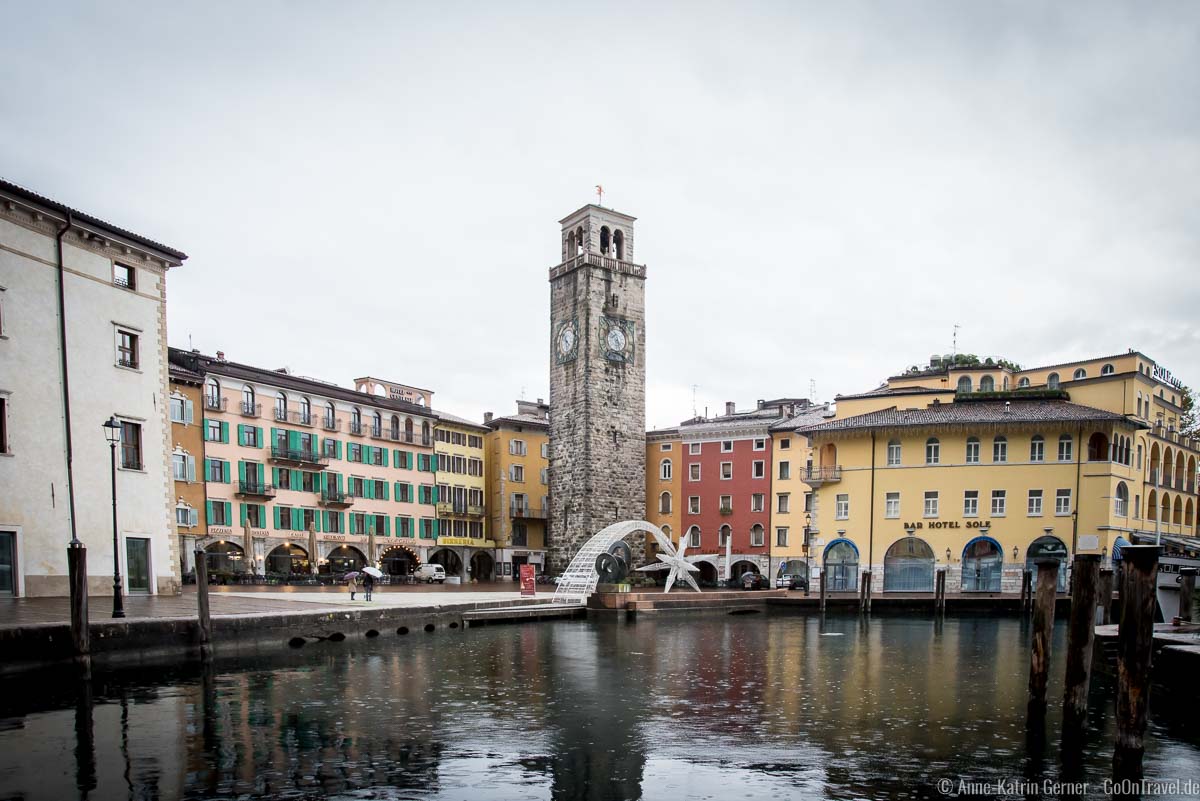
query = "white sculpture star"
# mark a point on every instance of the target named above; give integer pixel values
(676, 561)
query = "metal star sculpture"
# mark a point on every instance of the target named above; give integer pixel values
(676, 561)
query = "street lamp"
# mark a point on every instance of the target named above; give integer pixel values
(807, 530)
(112, 432)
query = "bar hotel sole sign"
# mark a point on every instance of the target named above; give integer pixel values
(948, 524)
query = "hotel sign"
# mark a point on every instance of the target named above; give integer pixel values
(466, 541)
(1162, 374)
(934, 524)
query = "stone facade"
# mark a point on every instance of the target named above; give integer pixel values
(597, 383)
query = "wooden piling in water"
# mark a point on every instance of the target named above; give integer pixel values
(204, 627)
(1104, 591)
(1026, 590)
(862, 592)
(81, 644)
(1139, 575)
(1187, 592)
(1043, 624)
(1081, 635)
(870, 589)
(822, 589)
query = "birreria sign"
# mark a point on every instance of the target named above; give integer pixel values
(1162, 374)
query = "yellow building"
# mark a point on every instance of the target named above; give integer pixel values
(461, 486)
(978, 469)
(791, 496)
(663, 469)
(187, 451)
(518, 486)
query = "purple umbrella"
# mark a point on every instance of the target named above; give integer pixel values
(353, 574)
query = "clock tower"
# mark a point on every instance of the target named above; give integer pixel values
(597, 383)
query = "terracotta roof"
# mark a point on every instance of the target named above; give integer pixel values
(519, 420)
(886, 391)
(808, 417)
(460, 421)
(988, 412)
(82, 217)
(180, 373)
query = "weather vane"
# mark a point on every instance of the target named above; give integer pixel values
(599, 195)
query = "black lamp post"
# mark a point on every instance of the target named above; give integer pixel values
(112, 432)
(807, 531)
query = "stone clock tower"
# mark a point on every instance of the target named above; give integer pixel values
(597, 383)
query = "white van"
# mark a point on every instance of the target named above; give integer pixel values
(431, 573)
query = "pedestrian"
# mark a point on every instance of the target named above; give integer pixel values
(368, 584)
(352, 585)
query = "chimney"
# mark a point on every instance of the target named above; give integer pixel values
(730, 407)
(540, 401)
(1007, 407)
(487, 417)
(220, 355)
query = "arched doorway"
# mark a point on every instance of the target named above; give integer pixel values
(399, 561)
(841, 566)
(225, 557)
(741, 568)
(287, 559)
(1048, 547)
(908, 566)
(707, 577)
(343, 559)
(482, 566)
(448, 559)
(982, 565)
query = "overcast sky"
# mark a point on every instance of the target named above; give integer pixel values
(822, 189)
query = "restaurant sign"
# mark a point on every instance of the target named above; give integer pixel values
(466, 541)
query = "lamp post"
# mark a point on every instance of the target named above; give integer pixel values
(807, 532)
(112, 432)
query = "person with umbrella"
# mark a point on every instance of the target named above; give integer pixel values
(352, 582)
(369, 576)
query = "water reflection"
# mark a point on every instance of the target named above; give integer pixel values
(833, 707)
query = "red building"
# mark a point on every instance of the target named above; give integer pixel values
(725, 487)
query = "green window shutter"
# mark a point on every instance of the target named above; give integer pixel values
(224, 432)
(396, 491)
(262, 473)
(338, 447)
(317, 522)
(293, 439)
(276, 510)
(274, 436)
(342, 522)
(242, 513)
(241, 434)
(435, 528)
(297, 520)
(258, 437)
(395, 457)
(326, 516)
(227, 473)
(387, 526)
(275, 476)
(208, 510)
(369, 488)
(207, 471)
(435, 494)
(241, 471)
(339, 480)
(385, 490)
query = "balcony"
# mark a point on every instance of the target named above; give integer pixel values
(523, 511)
(336, 499)
(331, 423)
(249, 409)
(214, 404)
(356, 427)
(460, 509)
(816, 476)
(297, 456)
(302, 418)
(255, 489)
(281, 415)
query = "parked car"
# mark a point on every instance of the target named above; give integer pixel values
(753, 581)
(431, 573)
(791, 581)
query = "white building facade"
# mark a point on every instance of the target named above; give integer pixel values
(66, 368)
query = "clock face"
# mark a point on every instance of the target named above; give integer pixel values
(566, 340)
(566, 343)
(616, 339)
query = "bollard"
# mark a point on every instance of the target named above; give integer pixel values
(1026, 590)
(862, 592)
(1139, 575)
(1187, 592)
(77, 579)
(1104, 591)
(204, 627)
(1081, 634)
(822, 589)
(870, 589)
(1043, 625)
(937, 590)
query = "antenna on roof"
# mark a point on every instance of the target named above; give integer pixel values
(954, 349)
(694, 388)
(522, 392)
(812, 390)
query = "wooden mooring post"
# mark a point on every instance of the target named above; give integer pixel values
(1104, 591)
(204, 623)
(862, 592)
(822, 589)
(870, 589)
(1043, 625)
(81, 644)
(1187, 592)
(1026, 590)
(1081, 635)
(1139, 576)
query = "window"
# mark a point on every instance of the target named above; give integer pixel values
(516, 472)
(757, 536)
(971, 503)
(1080, 374)
(1037, 448)
(998, 503)
(693, 504)
(218, 471)
(891, 505)
(931, 503)
(964, 384)
(4, 425)
(784, 503)
(1035, 503)
(693, 472)
(1052, 381)
(1107, 369)
(726, 502)
(127, 349)
(281, 404)
(727, 446)
(726, 471)
(218, 514)
(664, 470)
(1139, 456)
(784, 444)
(666, 446)
(694, 448)
(664, 503)
(694, 537)
(781, 537)
(131, 446)
(1022, 383)
(1137, 506)
(254, 514)
(1065, 447)
(972, 450)
(1121, 501)
(808, 501)
(186, 516)
(183, 466)
(757, 502)
(987, 384)
(933, 451)
(124, 276)
(893, 453)
(760, 444)
(760, 470)
(1062, 502)
(785, 471)
(545, 475)
(723, 535)
(1000, 449)
(842, 507)
(285, 517)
